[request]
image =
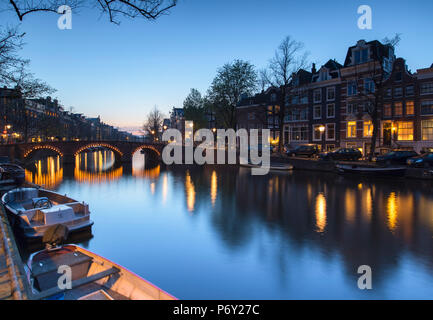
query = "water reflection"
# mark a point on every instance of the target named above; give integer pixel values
(320, 212)
(266, 236)
(47, 173)
(96, 167)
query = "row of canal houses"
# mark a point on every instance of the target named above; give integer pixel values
(330, 106)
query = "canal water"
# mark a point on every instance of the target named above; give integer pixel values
(220, 233)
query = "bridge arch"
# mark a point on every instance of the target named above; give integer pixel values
(99, 144)
(148, 147)
(39, 147)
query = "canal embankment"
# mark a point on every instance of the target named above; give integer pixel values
(13, 283)
(330, 166)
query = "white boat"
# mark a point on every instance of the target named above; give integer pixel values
(272, 166)
(93, 277)
(32, 211)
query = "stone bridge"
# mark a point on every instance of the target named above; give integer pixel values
(123, 150)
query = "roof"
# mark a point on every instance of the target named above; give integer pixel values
(379, 50)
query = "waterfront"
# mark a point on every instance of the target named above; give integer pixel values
(220, 233)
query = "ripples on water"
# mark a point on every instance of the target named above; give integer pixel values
(220, 233)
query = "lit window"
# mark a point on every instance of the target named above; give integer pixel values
(387, 111)
(427, 130)
(410, 108)
(404, 131)
(368, 128)
(398, 109)
(351, 129)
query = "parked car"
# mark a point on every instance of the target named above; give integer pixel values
(349, 154)
(396, 157)
(424, 160)
(306, 150)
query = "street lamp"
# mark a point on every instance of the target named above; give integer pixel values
(322, 129)
(214, 130)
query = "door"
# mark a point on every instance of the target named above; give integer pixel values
(387, 134)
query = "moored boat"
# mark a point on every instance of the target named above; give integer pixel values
(272, 166)
(92, 277)
(371, 171)
(33, 211)
(11, 173)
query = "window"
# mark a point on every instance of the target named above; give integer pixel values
(318, 95)
(398, 92)
(388, 93)
(361, 56)
(352, 88)
(410, 90)
(368, 85)
(251, 115)
(273, 97)
(351, 129)
(427, 107)
(427, 88)
(330, 131)
(398, 109)
(350, 109)
(295, 99)
(404, 131)
(410, 108)
(398, 76)
(317, 112)
(387, 111)
(368, 128)
(317, 132)
(299, 133)
(304, 98)
(427, 130)
(330, 111)
(330, 93)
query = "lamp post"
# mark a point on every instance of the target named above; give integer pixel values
(322, 130)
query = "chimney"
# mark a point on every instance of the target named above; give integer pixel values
(313, 69)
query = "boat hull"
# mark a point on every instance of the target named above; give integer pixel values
(372, 171)
(74, 215)
(113, 283)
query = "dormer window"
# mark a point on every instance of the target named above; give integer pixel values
(323, 75)
(361, 56)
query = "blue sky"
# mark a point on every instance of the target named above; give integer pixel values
(122, 72)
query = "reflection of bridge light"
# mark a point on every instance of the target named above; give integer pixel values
(320, 212)
(147, 173)
(164, 188)
(152, 188)
(391, 210)
(213, 187)
(190, 192)
(48, 173)
(100, 161)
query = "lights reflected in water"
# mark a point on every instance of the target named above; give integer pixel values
(47, 173)
(190, 192)
(96, 167)
(213, 187)
(392, 211)
(320, 213)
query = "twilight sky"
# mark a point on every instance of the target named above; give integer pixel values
(121, 72)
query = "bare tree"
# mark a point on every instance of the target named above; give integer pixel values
(153, 123)
(114, 9)
(289, 58)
